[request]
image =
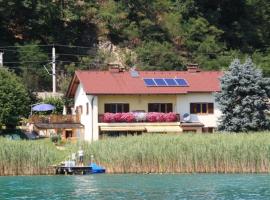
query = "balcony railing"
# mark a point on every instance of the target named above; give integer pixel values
(54, 119)
(151, 117)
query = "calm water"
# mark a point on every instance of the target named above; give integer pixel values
(136, 187)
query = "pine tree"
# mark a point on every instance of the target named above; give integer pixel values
(243, 98)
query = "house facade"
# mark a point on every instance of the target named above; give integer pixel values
(186, 98)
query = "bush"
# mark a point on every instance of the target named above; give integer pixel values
(56, 138)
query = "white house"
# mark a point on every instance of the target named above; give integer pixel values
(188, 95)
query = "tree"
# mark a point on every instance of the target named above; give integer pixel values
(57, 102)
(14, 100)
(159, 56)
(33, 74)
(243, 98)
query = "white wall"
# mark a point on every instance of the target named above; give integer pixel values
(183, 106)
(81, 99)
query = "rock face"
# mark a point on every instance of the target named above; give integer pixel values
(114, 55)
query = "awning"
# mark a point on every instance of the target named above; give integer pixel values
(57, 126)
(161, 129)
(121, 128)
(192, 124)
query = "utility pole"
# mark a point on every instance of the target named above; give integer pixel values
(1, 59)
(53, 70)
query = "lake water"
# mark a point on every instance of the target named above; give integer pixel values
(198, 186)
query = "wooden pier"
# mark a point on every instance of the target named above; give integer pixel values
(74, 170)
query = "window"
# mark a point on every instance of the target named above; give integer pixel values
(201, 108)
(87, 108)
(79, 110)
(160, 107)
(116, 107)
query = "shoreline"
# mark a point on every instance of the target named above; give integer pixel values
(132, 173)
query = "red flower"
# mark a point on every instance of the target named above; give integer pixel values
(170, 117)
(127, 117)
(118, 117)
(108, 117)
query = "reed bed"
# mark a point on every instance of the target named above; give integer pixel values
(28, 157)
(155, 153)
(186, 153)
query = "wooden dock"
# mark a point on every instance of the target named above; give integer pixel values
(74, 170)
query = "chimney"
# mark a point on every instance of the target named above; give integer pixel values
(115, 68)
(193, 68)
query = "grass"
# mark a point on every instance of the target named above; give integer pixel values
(24, 157)
(186, 153)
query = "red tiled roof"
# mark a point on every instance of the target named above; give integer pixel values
(106, 82)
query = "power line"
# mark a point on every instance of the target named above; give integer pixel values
(17, 46)
(75, 46)
(67, 54)
(47, 45)
(64, 54)
(34, 61)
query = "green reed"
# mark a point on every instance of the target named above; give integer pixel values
(187, 153)
(28, 157)
(149, 153)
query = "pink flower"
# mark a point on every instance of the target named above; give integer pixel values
(170, 117)
(128, 117)
(108, 117)
(118, 117)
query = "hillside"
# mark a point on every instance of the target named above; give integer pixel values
(152, 34)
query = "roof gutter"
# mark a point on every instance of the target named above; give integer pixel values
(92, 117)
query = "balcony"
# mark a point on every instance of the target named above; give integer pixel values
(54, 119)
(151, 117)
(139, 122)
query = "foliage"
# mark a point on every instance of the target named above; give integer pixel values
(34, 75)
(149, 153)
(243, 98)
(158, 56)
(29, 157)
(165, 34)
(56, 138)
(57, 102)
(14, 100)
(187, 153)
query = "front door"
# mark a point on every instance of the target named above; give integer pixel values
(68, 134)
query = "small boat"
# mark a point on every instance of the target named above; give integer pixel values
(97, 169)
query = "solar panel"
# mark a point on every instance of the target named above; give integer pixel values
(181, 82)
(170, 82)
(149, 82)
(165, 82)
(160, 82)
